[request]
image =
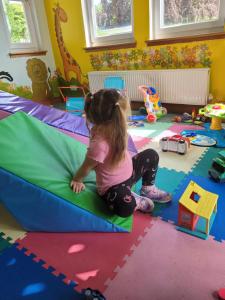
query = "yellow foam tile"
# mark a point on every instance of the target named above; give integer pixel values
(9, 226)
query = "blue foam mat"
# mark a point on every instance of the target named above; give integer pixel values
(169, 212)
(202, 166)
(165, 179)
(24, 279)
(218, 135)
(39, 210)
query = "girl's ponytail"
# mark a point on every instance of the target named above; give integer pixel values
(118, 138)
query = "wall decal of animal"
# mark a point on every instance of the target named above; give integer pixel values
(69, 63)
(6, 75)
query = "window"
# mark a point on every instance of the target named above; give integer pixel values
(20, 23)
(174, 18)
(108, 22)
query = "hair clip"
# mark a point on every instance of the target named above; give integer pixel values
(117, 104)
(90, 96)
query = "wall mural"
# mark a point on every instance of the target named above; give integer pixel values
(6, 75)
(69, 63)
(37, 72)
(167, 57)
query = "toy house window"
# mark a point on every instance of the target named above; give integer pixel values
(19, 18)
(178, 18)
(108, 22)
(195, 197)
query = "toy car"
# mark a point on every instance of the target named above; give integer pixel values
(217, 170)
(175, 143)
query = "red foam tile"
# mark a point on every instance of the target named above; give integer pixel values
(87, 258)
(4, 114)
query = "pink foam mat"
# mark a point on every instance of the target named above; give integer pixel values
(87, 258)
(4, 114)
(177, 127)
(172, 265)
(140, 141)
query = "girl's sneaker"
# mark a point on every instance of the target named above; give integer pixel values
(144, 204)
(155, 194)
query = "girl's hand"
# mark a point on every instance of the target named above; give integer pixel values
(77, 186)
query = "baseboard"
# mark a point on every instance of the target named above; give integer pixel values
(171, 108)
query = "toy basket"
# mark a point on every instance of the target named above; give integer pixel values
(74, 104)
(114, 82)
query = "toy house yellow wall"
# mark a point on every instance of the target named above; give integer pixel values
(189, 55)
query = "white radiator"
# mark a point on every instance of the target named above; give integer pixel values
(177, 86)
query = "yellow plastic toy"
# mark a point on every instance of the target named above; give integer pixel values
(197, 210)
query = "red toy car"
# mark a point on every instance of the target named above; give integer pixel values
(175, 143)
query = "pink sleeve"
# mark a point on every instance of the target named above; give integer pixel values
(98, 150)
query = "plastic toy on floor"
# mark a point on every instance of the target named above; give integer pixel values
(74, 104)
(175, 143)
(197, 210)
(217, 170)
(114, 82)
(213, 130)
(185, 117)
(152, 104)
(198, 139)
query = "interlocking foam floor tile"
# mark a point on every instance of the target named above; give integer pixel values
(5, 242)
(165, 179)
(202, 166)
(22, 278)
(4, 114)
(173, 160)
(150, 129)
(87, 258)
(140, 141)
(176, 128)
(170, 212)
(9, 225)
(171, 265)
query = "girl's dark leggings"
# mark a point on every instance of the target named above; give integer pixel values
(119, 198)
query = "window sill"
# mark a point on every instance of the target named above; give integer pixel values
(27, 53)
(186, 39)
(111, 47)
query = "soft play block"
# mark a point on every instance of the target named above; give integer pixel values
(37, 163)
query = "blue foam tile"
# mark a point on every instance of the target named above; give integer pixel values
(165, 179)
(170, 211)
(202, 166)
(24, 279)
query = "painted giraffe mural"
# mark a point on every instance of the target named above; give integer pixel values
(69, 63)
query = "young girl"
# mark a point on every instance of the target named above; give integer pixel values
(107, 154)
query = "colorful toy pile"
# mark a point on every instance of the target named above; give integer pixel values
(152, 104)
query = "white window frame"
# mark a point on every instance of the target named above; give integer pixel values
(31, 18)
(156, 32)
(91, 40)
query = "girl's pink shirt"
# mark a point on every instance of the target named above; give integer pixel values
(106, 176)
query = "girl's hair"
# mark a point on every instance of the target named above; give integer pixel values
(106, 110)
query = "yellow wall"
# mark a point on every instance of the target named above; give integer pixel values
(74, 38)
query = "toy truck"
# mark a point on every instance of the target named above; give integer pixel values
(175, 143)
(217, 170)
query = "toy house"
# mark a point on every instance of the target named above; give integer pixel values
(197, 210)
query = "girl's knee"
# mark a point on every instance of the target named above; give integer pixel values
(124, 207)
(152, 155)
